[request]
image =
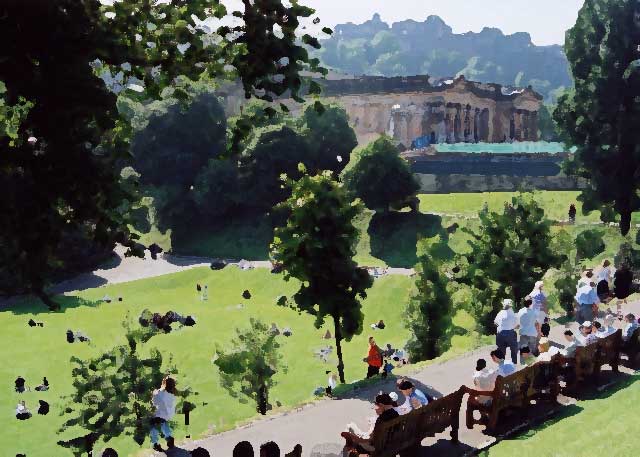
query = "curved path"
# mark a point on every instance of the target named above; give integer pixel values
(320, 423)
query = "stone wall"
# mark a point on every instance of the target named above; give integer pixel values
(445, 184)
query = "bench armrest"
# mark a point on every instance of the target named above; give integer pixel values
(474, 392)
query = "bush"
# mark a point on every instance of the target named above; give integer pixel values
(589, 244)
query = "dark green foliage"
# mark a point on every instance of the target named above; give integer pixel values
(177, 143)
(316, 246)
(589, 244)
(546, 125)
(430, 47)
(381, 178)
(113, 391)
(565, 286)
(275, 151)
(329, 136)
(602, 114)
(69, 178)
(216, 191)
(248, 369)
(627, 255)
(509, 253)
(428, 315)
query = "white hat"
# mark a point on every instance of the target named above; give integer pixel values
(507, 303)
(586, 324)
(394, 396)
(538, 284)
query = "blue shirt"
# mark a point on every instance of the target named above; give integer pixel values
(587, 299)
(422, 398)
(505, 369)
(537, 300)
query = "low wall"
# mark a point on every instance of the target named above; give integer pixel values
(445, 184)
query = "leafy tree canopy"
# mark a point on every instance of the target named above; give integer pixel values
(381, 178)
(600, 116)
(316, 245)
(62, 52)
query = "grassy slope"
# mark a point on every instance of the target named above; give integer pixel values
(606, 425)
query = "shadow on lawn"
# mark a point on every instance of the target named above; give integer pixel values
(32, 305)
(394, 236)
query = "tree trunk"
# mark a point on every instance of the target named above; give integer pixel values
(262, 399)
(338, 336)
(44, 297)
(625, 221)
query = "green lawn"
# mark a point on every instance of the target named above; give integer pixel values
(606, 425)
(37, 352)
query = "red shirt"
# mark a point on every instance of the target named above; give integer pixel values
(374, 358)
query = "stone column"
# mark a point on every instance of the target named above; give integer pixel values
(475, 113)
(458, 133)
(533, 125)
(525, 125)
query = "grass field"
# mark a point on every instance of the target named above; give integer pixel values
(37, 352)
(605, 425)
(385, 240)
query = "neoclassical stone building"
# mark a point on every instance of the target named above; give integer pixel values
(452, 111)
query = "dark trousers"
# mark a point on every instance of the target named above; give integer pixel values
(508, 339)
(372, 371)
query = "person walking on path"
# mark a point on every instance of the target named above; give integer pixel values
(164, 400)
(622, 281)
(603, 277)
(587, 299)
(506, 323)
(539, 298)
(529, 328)
(373, 359)
(572, 214)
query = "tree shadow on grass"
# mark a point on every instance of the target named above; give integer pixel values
(28, 304)
(242, 238)
(394, 236)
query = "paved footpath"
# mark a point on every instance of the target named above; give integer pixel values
(322, 422)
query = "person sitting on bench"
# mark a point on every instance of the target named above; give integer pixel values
(385, 411)
(415, 397)
(573, 344)
(630, 326)
(504, 368)
(608, 328)
(484, 379)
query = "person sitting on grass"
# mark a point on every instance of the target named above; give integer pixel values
(19, 382)
(44, 386)
(630, 326)
(526, 357)
(22, 412)
(385, 411)
(415, 397)
(504, 368)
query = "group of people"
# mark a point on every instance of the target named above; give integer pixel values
(377, 359)
(594, 288)
(72, 337)
(22, 412)
(159, 322)
(387, 408)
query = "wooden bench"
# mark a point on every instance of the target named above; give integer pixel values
(510, 393)
(584, 368)
(544, 385)
(404, 434)
(632, 349)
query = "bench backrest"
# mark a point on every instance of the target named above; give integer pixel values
(410, 429)
(632, 347)
(545, 374)
(609, 349)
(511, 391)
(585, 361)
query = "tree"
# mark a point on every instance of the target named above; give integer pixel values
(60, 167)
(112, 393)
(428, 315)
(251, 365)
(317, 245)
(600, 116)
(330, 137)
(216, 191)
(509, 252)
(565, 286)
(589, 244)
(381, 178)
(546, 125)
(275, 151)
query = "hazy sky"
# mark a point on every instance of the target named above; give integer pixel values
(545, 20)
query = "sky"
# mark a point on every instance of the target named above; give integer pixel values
(545, 20)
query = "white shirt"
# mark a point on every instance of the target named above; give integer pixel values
(165, 404)
(484, 379)
(332, 382)
(604, 274)
(528, 318)
(506, 320)
(405, 407)
(21, 409)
